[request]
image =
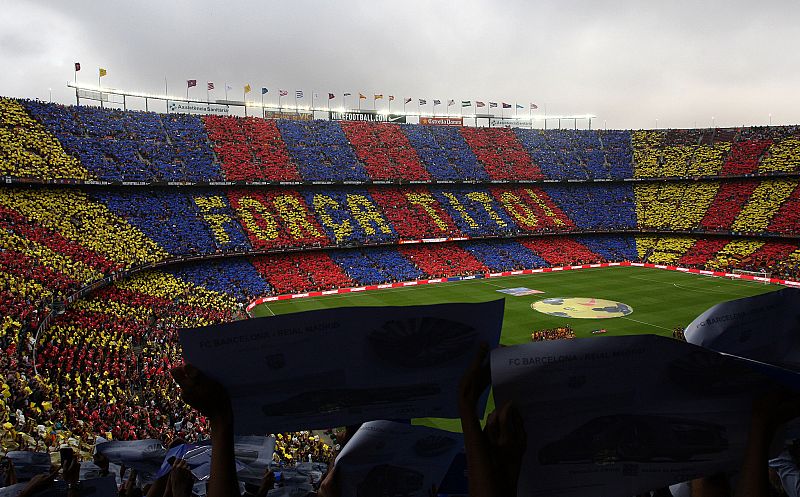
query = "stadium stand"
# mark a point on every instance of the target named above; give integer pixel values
(663, 250)
(276, 218)
(727, 204)
(250, 149)
(502, 156)
(321, 151)
(385, 151)
(500, 255)
(27, 150)
(415, 213)
(443, 260)
(783, 155)
(560, 251)
(376, 266)
(131, 146)
(102, 363)
(445, 153)
(762, 205)
(589, 207)
(301, 272)
(673, 206)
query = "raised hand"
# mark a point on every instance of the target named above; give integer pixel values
(202, 393)
(475, 381)
(181, 479)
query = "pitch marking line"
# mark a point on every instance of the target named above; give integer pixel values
(270, 310)
(648, 324)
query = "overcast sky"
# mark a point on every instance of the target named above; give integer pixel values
(628, 62)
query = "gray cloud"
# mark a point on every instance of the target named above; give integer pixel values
(629, 62)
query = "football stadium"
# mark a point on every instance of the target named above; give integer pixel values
(124, 230)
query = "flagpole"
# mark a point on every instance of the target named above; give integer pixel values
(100, 87)
(226, 90)
(263, 112)
(244, 101)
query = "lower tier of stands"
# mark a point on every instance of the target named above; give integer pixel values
(95, 359)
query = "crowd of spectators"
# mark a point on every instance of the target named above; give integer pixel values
(573, 154)
(300, 272)
(673, 206)
(376, 265)
(504, 255)
(475, 211)
(558, 333)
(767, 198)
(501, 154)
(561, 250)
(728, 202)
(321, 151)
(443, 259)
(250, 149)
(50, 141)
(610, 207)
(27, 150)
(385, 151)
(276, 218)
(445, 153)
(118, 145)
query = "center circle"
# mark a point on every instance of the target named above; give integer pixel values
(581, 308)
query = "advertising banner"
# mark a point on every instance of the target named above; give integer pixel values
(441, 121)
(507, 122)
(294, 116)
(367, 115)
(196, 108)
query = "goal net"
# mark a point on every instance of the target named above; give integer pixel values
(762, 276)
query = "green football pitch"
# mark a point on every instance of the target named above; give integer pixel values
(661, 301)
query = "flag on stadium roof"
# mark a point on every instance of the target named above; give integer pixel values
(361, 96)
(298, 94)
(77, 66)
(331, 96)
(228, 87)
(378, 96)
(506, 106)
(103, 72)
(282, 93)
(190, 83)
(264, 90)
(480, 104)
(391, 97)
(346, 94)
(316, 95)
(437, 102)
(451, 102)
(422, 101)
(534, 106)
(492, 104)
(210, 85)
(247, 88)
(518, 106)
(408, 100)
(466, 103)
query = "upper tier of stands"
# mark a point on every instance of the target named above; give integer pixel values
(44, 141)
